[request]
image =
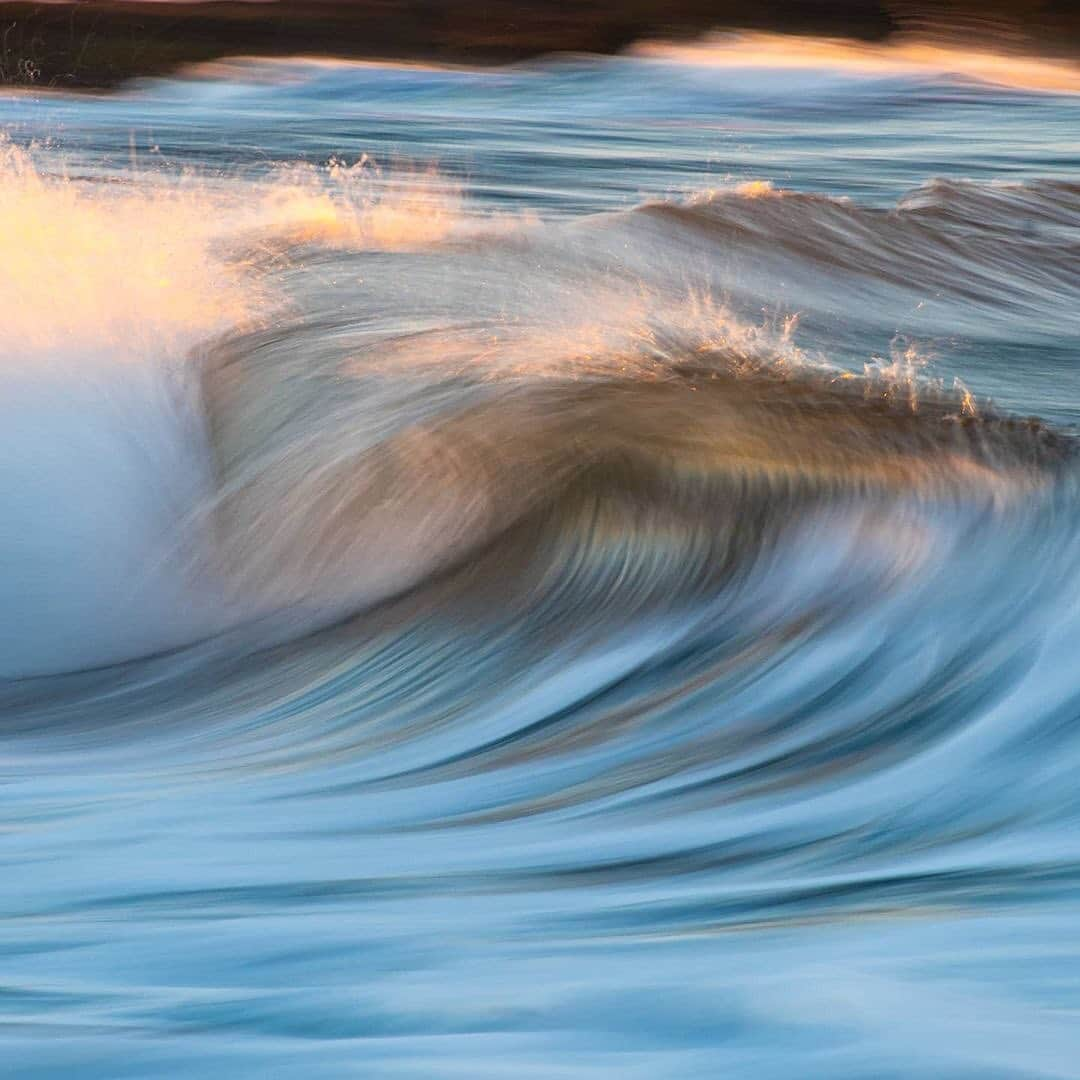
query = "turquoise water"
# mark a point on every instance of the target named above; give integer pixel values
(545, 571)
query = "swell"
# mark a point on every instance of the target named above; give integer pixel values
(1008, 249)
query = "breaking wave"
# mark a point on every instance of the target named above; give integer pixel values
(640, 548)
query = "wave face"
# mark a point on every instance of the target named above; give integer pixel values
(531, 613)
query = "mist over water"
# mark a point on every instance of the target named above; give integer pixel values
(563, 570)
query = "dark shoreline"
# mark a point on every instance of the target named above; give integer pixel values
(97, 45)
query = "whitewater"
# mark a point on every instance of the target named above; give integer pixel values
(565, 570)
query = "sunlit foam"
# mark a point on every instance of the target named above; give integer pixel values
(106, 264)
(900, 57)
(360, 205)
(107, 289)
(146, 264)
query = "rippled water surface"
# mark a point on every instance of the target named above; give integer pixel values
(561, 571)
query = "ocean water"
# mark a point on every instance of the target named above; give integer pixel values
(570, 570)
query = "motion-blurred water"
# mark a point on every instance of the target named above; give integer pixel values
(549, 571)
